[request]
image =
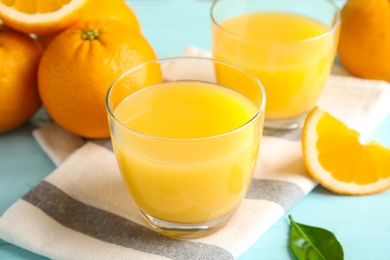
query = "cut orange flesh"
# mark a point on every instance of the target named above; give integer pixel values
(334, 157)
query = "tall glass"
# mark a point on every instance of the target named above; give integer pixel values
(186, 144)
(289, 44)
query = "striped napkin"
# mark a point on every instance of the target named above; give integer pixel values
(83, 211)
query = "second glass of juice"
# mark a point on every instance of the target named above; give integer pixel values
(289, 44)
(186, 144)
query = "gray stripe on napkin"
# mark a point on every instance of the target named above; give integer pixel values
(284, 193)
(114, 229)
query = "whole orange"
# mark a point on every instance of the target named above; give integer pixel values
(364, 44)
(113, 9)
(19, 59)
(78, 67)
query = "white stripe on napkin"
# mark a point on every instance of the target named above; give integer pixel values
(87, 187)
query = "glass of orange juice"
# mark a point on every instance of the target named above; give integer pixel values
(289, 44)
(186, 144)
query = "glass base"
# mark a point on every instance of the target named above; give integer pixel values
(285, 124)
(184, 230)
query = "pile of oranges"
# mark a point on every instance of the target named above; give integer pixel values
(65, 55)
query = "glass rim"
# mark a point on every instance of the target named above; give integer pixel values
(331, 31)
(259, 111)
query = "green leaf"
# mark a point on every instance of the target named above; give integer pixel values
(312, 243)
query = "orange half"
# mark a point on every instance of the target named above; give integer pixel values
(40, 16)
(334, 156)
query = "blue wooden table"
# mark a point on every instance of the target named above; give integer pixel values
(362, 224)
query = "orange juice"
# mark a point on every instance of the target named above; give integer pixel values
(186, 150)
(291, 54)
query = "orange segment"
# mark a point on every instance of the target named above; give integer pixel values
(8, 2)
(334, 157)
(380, 156)
(41, 16)
(27, 8)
